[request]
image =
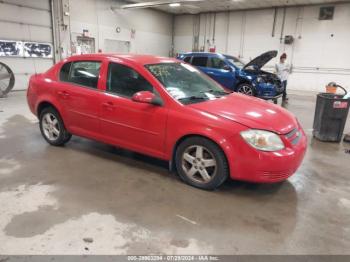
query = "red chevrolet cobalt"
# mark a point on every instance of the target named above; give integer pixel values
(168, 109)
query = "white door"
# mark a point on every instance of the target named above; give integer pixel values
(116, 46)
(26, 38)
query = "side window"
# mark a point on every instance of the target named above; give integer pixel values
(215, 62)
(64, 73)
(187, 59)
(200, 61)
(125, 81)
(85, 73)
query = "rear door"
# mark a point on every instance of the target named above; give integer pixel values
(136, 126)
(79, 96)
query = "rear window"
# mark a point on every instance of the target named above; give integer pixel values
(187, 59)
(200, 61)
(64, 73)
(83, 73)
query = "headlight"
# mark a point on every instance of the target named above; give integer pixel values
(263, 140)
(259, 79)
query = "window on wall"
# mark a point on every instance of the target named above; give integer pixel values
(125, 81)
(200, 61)
(215, 62)
(84, 73)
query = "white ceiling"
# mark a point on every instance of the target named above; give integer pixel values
(199, 6)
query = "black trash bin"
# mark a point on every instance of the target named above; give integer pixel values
(330, 117)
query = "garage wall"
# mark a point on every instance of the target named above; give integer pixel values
(25, 20)
(147, 31)
(320, 52)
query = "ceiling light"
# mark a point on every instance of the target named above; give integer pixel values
(174, 4)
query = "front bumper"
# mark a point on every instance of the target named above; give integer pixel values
(271, 97)
(268, 91)
(269, 167)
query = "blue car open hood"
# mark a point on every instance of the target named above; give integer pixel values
(261, 60)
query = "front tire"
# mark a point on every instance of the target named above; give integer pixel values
(52, 127)
(201, 163)
(246, 89)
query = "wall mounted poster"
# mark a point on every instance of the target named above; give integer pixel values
(37, 50)
(25, 49)
(11, 48)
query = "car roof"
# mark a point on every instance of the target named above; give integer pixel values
(202, 53)
(208, 54)
(134, 58)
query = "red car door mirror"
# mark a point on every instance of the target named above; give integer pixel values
(146, 97)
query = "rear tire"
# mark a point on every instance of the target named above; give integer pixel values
(201, 163)
(52, 127)
(246, 89)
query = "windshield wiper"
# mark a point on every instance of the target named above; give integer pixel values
(216, 92)
(193, 98)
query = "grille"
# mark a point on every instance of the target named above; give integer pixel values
(294, 136)
(276, 175)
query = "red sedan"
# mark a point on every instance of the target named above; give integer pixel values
(167, 109)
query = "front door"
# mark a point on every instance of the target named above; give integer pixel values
(218, 70)
(135, 126)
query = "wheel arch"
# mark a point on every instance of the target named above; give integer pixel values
(47, 103)
(242, 81)
(172, 166)
(44, 104)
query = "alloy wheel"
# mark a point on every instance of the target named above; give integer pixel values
(199, 164)
(50, 126)
(246, 89)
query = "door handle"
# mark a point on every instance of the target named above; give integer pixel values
(63, 94)
(109, 106)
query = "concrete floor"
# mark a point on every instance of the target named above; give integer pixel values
(90, 198)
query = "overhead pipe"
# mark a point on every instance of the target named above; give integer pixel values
(283, 23)
(55, 44)
(205, 31)
(227, 30)
(214, 27)
(172, 51)
(274, 22)
(196, 32)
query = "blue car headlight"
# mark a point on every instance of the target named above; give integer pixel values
(259, 79)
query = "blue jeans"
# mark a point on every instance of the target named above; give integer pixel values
(285, 89)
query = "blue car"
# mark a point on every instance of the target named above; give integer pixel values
(233, 74)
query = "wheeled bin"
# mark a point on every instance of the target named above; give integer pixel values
(330, 117)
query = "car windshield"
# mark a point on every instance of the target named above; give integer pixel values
(235, 61)
(186, 83)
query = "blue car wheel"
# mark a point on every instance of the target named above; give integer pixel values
(246, 89)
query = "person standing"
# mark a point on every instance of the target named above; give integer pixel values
(282, 71)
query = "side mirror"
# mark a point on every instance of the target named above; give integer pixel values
(227, 68)
(146, 97)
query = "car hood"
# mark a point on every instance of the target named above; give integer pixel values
(262, 59)
(249, 111)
